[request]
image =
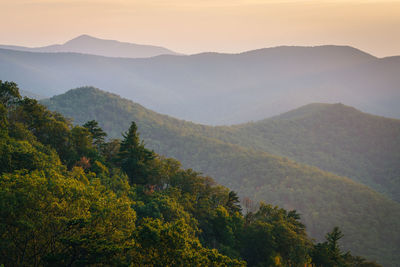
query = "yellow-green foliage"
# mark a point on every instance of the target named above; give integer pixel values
(87, 211)
(238, 158)
(69, 198)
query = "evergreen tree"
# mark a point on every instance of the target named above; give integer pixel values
(3, 120)
(134, 159)
(9, 93)
(97, 133)
(53, 215)
(233, 203)
(328, 253)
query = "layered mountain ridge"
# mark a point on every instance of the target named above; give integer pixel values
(87, 44)
(213, 88)
(369, 218)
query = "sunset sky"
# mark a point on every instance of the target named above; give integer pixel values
(192, 26)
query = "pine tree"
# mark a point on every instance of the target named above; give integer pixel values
(134, 158)
(97, 133)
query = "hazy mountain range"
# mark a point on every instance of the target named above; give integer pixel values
(86, 44)
(333, 163)
(248, 158)
(214, 88)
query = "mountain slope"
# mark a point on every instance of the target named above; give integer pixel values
(369, 220)
(216, 88)
(332, 137)
(335, 138)
(90, 45)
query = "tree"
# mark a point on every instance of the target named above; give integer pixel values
(49, 128)
(233, 202)
(333, 244)
(3, 121)
(274, 236)
(328, 254)
(134, 159)
(48, 219)
(174, 244)
(9, 93)
(90, 215)
(110, 152)
(97, 133)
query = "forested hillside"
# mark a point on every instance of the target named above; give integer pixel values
(68, 197)
(368, 219)
(332, 137)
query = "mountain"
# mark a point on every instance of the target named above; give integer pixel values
(368, 219)
(86, 44)
(332, 137)
(214, 88)
(73, 198)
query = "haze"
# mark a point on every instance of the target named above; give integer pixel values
(189, 26)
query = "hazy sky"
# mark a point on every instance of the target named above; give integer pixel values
(191, 26)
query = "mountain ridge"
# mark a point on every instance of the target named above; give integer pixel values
(86, 44)
(333, 137)
(220, 89)
(316, 194)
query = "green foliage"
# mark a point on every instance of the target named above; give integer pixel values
(70, 204)
(22, 155)
(233, 202)
(87, 212)
(238, 158)
(335, 138)
(9, 93)
(47, 127)
(49, 218)
(134, 159)
(329, 254)
(97, 133)
(176, 246)
(284, 238)
(3, 120)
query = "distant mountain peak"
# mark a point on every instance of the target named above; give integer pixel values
(88, 90)
(83, 37)
(319, 51)
(312, 109)
(87, 44)
(330, 107)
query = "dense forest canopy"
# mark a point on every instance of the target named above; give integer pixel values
(71, 197)
(332, 137)
(368, 220)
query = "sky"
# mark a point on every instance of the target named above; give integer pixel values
(193, 26)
